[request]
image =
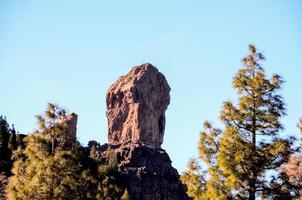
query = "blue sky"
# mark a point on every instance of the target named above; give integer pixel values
(69, 52)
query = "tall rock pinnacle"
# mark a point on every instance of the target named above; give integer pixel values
(71, 121)
(136, 105)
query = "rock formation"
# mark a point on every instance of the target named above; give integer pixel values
(147, 173)
(71, 121)
(136, 105)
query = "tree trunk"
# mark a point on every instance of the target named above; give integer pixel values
(53, 146)
(252, 191)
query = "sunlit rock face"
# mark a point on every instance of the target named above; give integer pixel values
(136, 105)
(71, 121)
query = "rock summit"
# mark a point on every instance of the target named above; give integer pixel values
(136, 105)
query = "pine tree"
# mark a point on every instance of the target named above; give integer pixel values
(19, 140)
(12, 143)
(38, 174)
(49, 167)
(53, 165)
(4, 137)
(50, 123)
(194, 179)
(249, 149)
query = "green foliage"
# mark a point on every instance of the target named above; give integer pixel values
(93, 154)
(12, 143)
(7, 145)
(50, 124)
(19, 140)
(109, 186)
(193, 178)
(4, 137)
(41, 172)
(240, 157)
(52, 165)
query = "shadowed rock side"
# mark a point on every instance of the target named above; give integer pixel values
(136, 105)
(147, 173)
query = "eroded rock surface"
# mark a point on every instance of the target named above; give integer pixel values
(147, 173)
(136, 105)
(71, 121)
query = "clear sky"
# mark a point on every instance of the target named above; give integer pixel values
(69, 52)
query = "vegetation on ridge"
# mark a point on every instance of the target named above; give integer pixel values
(55, 166)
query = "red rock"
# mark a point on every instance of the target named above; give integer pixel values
(136, 105)
(71, 122)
